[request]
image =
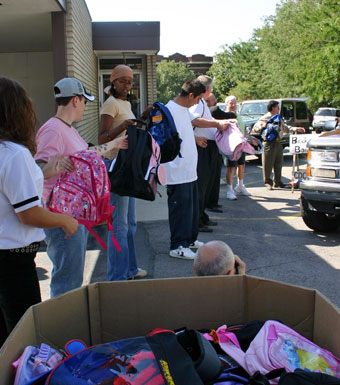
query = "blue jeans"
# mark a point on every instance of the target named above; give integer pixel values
(68, 258)
(122, 265)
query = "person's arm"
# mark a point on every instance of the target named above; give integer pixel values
(290, 129)
(115, 144)
(259, 125)
(56, 165)
(202, 122)
(107, 132)
(38, 217)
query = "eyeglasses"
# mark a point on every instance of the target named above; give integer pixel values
(124, 82)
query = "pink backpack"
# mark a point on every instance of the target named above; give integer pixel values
(278, 346)
(232, 143)
(84, 194)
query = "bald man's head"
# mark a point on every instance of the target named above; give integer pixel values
(211, 100)
(214, 258)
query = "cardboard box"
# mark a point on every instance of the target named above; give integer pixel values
(110, 311)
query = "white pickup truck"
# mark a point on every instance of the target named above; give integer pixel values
(320, 192)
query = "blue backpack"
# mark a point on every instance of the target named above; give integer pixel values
(163, 129)
(155, 359)
(272, 129)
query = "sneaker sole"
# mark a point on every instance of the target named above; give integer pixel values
(140, 275)
(181, 256)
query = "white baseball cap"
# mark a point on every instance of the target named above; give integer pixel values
(68, 87)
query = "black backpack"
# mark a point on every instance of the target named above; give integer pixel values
(135, 171)
(303, 377)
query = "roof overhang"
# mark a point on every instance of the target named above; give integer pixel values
(25, 25)
(133, 38)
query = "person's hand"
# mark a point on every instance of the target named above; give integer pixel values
(56, 165)
(300, 130)
(127, 123)
(69, 225)
(222, 125)
(121, 142)
(241, 266)
(201, 141)
(64, 164)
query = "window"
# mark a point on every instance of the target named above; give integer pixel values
(287, 110)
(325, 112)
(301, 110)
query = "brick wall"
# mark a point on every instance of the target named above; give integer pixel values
(81, 63)
(151, 79)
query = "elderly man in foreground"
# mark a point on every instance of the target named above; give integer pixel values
(217, 258)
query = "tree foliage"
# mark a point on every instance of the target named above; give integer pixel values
(294, 54)
(170, 78)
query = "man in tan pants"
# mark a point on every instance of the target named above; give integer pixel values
(272, 155)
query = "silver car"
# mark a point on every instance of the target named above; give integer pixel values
(323, 115)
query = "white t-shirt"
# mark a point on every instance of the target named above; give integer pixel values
(21, 186)
(182, 170)
(201, 110)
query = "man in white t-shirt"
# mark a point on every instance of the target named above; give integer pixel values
(205, 127)
(182, 176)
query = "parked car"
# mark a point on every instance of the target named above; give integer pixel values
(320, 192)
(323, 115)
(294, 111)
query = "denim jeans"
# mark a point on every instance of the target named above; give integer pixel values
(68, 258)
(122, 265)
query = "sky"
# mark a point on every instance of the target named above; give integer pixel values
(190, 27)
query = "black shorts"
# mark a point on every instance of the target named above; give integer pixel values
(235, 163)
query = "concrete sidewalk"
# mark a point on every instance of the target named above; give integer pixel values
(95, 263)
(265, 230)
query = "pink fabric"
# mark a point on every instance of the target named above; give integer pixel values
(229, 343)
(232, 142)
(278, 346)
(56, 137)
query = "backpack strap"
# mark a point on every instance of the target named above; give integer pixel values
(100, 241)
(139, 147)
(110, 228)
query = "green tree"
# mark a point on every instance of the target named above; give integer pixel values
(295, 53)
(235, 71)
(170, 78)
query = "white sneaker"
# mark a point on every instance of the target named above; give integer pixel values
(241, 190)
(231, 195)
(222, 182)
(183, 253)
(196, 245)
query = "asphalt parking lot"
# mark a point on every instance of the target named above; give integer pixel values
(265, 230)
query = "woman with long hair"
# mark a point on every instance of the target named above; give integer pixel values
(22, 217)
(115, 116)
